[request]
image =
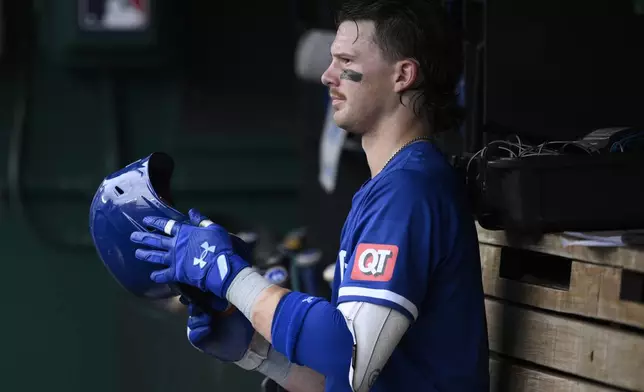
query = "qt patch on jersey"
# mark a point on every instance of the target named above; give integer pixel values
(374, 262)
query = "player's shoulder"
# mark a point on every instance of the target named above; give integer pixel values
(399, 195)
(417, 180)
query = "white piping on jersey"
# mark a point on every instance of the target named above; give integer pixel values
(346, 291)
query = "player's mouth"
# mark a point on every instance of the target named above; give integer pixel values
(335, 95)
(336, 100)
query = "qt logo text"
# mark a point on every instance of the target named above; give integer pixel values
(374, 262)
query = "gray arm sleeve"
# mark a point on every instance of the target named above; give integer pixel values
(376, 330)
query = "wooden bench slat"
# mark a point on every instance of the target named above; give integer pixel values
(576, 347)
(624, 257)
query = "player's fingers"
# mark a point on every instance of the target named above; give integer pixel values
(198, 320)
(197, 219)
(152, 256)
(168, 226)
(196, 335)
(164, 276)
(152, 240)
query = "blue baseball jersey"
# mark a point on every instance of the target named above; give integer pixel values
(410, 243)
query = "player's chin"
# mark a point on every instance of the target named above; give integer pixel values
(340, 117)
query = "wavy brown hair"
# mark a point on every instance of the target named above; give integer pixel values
(421, 30)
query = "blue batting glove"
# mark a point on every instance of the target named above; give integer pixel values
(225, 335)
(202, 257)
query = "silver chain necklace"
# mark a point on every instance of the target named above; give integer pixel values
(412, 141)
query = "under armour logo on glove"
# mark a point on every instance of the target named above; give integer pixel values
(206, 249)
(190, 253)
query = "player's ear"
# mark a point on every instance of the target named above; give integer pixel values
(406, 75)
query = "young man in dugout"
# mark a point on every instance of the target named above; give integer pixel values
(407, 307)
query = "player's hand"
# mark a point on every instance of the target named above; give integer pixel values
(225, 335)
(198, 256)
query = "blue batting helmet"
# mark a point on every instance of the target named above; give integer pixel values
(122, 201)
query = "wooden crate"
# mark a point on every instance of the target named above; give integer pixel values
(621, 257)
(508, 376)
(549, 333)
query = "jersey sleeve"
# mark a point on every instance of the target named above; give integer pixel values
(397, 246)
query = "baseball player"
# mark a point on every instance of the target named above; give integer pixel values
(407, 310)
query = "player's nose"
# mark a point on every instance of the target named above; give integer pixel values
(330, 77)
